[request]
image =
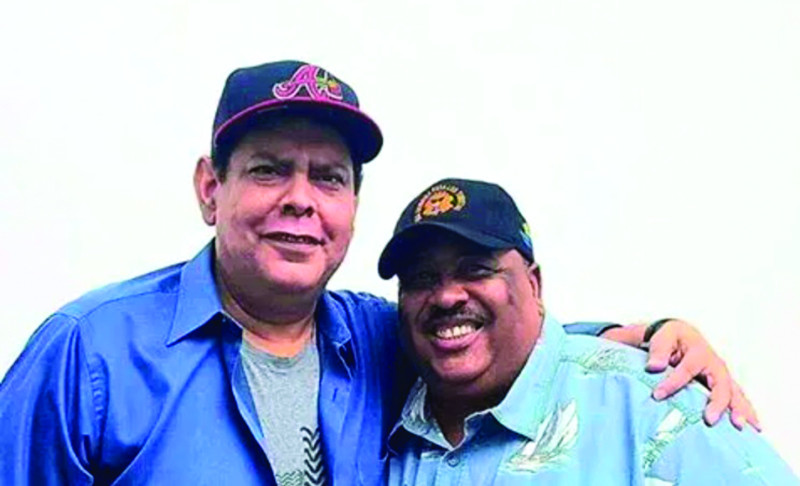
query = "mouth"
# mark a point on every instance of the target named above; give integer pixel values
(455, 330)
(454, 333)
(293, 239)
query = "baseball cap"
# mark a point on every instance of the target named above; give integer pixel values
(481, 212)
(255, 94)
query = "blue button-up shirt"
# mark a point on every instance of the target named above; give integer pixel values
(140, 382)
(580, 413)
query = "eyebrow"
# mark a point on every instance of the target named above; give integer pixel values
(481, 257)
(344, 163)
(264, 155)
(333, 164)
(422, 260)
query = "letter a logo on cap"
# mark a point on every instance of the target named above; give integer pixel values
(318, 84)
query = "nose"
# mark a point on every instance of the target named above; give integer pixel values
(298, 200)
(450, 293)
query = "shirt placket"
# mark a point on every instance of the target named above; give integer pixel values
(450, 469)
(231, 342)
(334, 396)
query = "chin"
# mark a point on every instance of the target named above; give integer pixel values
(456, 376)
(298, 284)
(296, 278)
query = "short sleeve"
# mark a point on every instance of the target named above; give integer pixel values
(589, 328)
(719, 455)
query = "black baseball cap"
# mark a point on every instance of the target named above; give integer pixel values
(479, 211)
(253, 95)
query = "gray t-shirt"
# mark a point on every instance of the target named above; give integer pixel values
(284, 392)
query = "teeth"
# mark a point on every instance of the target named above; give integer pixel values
(296, 239)
(455, 331)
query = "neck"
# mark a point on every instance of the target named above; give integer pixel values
(280, 340)
(450, 412)
(279, 325)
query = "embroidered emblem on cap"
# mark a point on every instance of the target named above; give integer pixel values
(318, 84)
(439, 199)
(525, 233)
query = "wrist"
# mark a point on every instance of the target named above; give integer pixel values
(653, 328)
(631, 334)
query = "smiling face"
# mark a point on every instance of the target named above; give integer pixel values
(470, 316)
(283, 210)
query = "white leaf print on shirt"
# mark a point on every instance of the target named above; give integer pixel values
(555, 437)
(656, 482)
(667, 430)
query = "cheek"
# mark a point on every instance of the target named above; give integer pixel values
(495, 300)
(411, 306)
(410, 314)
(237, 206)
(337, 220)
(517, 330)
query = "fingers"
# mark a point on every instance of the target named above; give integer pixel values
(676, 380)
(708, 368)
(662, 345)
(726, 394)
(742, 410)
(693, 364)
(680, 344)
(718, 400)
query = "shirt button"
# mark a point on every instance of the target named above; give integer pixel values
(453, 461)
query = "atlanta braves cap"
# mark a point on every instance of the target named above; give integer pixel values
(481, 212)
(255, 94)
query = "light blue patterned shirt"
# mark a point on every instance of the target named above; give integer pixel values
(580, 412)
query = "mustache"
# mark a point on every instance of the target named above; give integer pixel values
(440, 315)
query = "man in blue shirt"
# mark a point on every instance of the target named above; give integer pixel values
(506, 396)
(205, 372)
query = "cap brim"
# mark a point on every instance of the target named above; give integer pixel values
(415, 238)
(360, 132)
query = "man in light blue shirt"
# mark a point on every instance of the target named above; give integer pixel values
(506, 397)
(167, 378)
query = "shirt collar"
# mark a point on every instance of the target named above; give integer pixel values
(525, 404)
(526, 398)
(332, 318)
(414, 418)
(198, 300)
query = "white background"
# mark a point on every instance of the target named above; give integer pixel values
(653, 146)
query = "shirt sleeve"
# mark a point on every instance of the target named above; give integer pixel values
(48, 410)
(719, 455)
(589, 328)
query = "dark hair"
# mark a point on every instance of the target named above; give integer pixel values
(224, 148)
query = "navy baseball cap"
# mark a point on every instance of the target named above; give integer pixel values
(253, 95)
(481, 212)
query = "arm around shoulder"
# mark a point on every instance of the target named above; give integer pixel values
(699, 455)
(50, 402)
(591, 328)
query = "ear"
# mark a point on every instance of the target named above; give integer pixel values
(355, 213)
(535, 277)
(206, 184)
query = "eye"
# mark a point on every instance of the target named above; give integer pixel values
(420, 280)
(263, 171)
(328, 175)
(476, 270)
(331, 178)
